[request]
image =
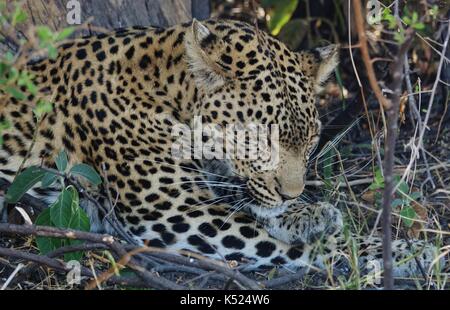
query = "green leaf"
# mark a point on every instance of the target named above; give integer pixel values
(389, 17)
(31, 87)
(397, 203)
(19, 16)
(24, 182)
(280, 12)
(293, 33)
(407, 20)
(64, 213)
(80, 221)
(46, 244)
(42, 107)
(415, 195)
(66, 32)
(403, 188)
(399, 37)
(415, 17)
(378, 197)
(87, 172)
(5, 125)
(16, 93)
(52, 52)
(434, 11)
(62, 210)
(419, 26)
(13, 73)
(75, 206)
(48, 179)
(44, 218)
(408, 215)
(44, 33)
(379, 179)
(61, 161)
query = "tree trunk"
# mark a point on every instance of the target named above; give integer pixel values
(112, 14)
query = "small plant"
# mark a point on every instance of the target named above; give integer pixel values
(18, 82)
(279, 13)
(402, 198)
(48, 38)
(410, 19)
(15, 80)
(65, 212)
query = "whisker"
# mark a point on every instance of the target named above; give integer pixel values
(218, 186)
(225, 184)
(235, 211)
(330, 112)
(324, 159)
(335, 162)
(214, 200)
(332, 143)
(305, 197)
(187, 168)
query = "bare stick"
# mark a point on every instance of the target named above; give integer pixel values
(392, 112)
(41, 260)
(122, 250)
(44, 231)
(359, 23)
(60, 266)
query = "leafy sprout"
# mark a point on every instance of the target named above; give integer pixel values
(65, 212)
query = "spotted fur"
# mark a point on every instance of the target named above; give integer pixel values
(118, 96)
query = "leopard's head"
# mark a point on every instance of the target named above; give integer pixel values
(250, 79)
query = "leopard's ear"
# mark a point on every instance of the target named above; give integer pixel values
(320, 63)
(328, 61)
(204, 50)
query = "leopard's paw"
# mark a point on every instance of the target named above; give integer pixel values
(325, 222)
(305, 224)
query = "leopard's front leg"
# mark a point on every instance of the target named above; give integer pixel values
(413, 258)
(305, 224)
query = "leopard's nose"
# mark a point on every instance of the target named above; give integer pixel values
(289, 191)
(286, 197)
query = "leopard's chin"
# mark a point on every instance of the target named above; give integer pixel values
(264, 212)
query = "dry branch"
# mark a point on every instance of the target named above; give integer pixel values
(359, 23)
(128, 255)
(150, 279)
(392, 112)
(391, 107)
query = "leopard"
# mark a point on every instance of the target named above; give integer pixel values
(117, 98)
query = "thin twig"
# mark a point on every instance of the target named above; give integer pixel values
(359, 23)
(44, 231)
(392, 112)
